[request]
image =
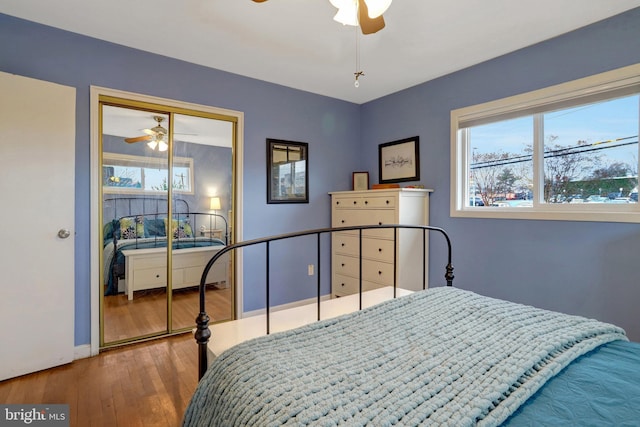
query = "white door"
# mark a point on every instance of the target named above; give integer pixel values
(37, 161)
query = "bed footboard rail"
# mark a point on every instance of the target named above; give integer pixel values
(203, 334)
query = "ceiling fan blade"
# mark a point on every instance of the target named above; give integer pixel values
(368, 25)
(138, 139)
(259, 1)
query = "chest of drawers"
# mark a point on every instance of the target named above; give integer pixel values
(147, 268)
(396, 206)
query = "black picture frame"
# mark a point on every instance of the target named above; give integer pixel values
(399, 161)
(287, 171)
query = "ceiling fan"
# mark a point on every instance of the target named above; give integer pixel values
(365, 13)
(155, 136)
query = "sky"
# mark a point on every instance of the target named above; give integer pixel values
(600, 124)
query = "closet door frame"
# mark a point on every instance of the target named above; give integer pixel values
(98, 93)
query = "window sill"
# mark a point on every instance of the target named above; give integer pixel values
(552, 213)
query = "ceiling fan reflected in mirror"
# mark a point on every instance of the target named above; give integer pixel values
(364, 13)
(156, 136)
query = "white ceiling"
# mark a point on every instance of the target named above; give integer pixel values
(126, 123)
(296, 43)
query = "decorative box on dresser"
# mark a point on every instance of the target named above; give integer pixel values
(390, 206)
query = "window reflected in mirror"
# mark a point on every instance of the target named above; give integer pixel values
(159, 173)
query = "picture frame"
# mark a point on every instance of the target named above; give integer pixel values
(399, 161)
(360, 181)
(287, 171)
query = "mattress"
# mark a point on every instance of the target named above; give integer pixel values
(600, 388)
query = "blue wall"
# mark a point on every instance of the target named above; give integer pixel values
(577, 267)
(330, 127)
(584, 268)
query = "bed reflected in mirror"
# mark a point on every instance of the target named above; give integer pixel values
(160, 171)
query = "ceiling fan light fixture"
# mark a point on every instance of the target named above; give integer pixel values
(348, 10)
(377, 7)
(162, 146)
(347, 14)
(152, 144)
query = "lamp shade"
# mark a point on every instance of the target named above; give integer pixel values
(215, 204)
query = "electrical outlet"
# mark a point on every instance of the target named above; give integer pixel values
(310, 269)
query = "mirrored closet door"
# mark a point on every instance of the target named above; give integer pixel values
(166, 208)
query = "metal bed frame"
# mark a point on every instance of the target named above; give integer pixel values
(182, 210)
(203, 334)
(131, 204)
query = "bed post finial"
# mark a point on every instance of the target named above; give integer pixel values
(449, 275)
(202, 336)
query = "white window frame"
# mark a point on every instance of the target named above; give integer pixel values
(141, 162)
(599, 87)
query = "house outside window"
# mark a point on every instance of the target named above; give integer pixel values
(565, 152)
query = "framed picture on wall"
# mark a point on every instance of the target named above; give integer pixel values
(360, 181)
(399, 161)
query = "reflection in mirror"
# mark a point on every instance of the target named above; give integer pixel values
(287, 167)
(134, 199)
(209, 143)
(137, 173)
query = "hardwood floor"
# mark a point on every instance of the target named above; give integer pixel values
(146, 313)
(146, 384)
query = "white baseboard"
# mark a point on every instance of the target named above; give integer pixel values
(285, 306)
(82, 351)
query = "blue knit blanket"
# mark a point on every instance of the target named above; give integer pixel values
(443, 356)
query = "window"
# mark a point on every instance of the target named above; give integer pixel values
(132, 174)
(565, 152)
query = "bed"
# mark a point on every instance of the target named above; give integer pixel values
(440, 356)
(135, 242)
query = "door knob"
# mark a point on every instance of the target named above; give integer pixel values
(63, 233)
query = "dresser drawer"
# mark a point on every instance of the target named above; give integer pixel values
(349, 244)
(378, 202)
(364, 202)
(374, 271)
(377, 271)
(154, 277)
(347, 202)
(378, 249)
(349, 217)
(346, 244)
(347, 265)
(346, 285)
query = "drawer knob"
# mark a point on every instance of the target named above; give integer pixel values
(342, 221)
(379, 272)
(379, 249)
(354, 202)
(387, 202)
(380, 223)
(343, 264)
(337, 202)
(157, 276)
(366, 202)
(342, 244)
(341, 284)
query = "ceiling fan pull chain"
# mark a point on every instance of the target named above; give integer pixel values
(359, 73)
